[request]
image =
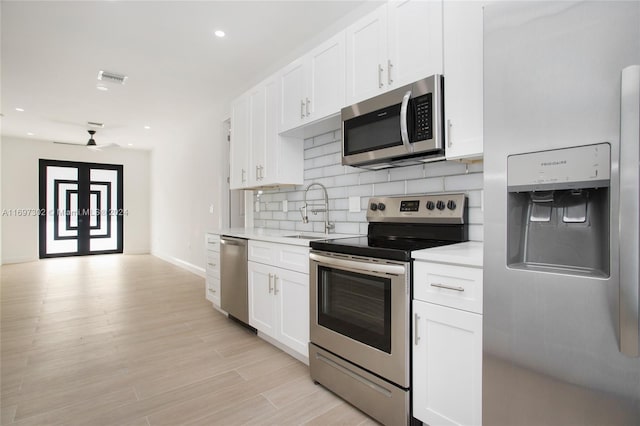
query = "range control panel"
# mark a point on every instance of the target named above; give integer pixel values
(436, 208)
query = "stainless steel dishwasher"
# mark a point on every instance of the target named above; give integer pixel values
(234, 295)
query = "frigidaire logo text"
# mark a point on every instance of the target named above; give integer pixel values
(553, 163)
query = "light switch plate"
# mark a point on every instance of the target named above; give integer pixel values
(354, 204)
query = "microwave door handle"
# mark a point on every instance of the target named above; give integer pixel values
(404, 131)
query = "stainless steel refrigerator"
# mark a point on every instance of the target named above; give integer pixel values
(561, 143)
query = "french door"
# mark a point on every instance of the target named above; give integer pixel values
(81, 208)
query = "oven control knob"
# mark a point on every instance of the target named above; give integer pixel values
(440, 205)
(381, 206)
(451, 205)
(430, 205)
(374, 207)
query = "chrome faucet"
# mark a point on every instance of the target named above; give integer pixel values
(317, 208)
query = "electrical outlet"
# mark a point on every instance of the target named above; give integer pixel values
(285, 206)
(354, 204)
(211, 208)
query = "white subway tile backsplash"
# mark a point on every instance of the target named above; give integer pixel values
(374, 176)
(476, 233)
(324, 138)
(444, 168)
(322, 162)
(347, 228)
(423, 186)
(360, 190)
(389, 188)
(406, 173)
(463, 182)
(346, 180)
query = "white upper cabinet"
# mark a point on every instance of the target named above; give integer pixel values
(313, 86)
(415, 40)
(258, 133)
(326, 78)
(366, 54)
(239, 148)
(260, 157)
(292, 86)
(463, 79)
(396, 44)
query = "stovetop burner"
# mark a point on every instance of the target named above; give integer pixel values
(400, 225)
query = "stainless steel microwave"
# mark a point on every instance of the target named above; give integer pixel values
(401, 127)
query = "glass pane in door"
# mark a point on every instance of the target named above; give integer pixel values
(356, 305)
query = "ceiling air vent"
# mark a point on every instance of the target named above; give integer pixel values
(112, 77)
(94, 124)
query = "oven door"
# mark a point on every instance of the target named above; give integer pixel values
(360, 311)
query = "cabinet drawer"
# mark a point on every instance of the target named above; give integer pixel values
(213, 289)
(293, 258)
(458, 287)
(213, 242)
(213, 264)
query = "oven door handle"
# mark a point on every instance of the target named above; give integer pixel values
(360, 266)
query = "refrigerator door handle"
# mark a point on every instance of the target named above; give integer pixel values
(629, 215)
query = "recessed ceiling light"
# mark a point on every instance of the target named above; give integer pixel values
(19, 109)
(101, 87)
(219, 33)
(147, 127)
(30, 134)
(130, 144)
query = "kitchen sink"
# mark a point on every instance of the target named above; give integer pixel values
(305, 237)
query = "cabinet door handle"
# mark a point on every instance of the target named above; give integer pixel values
(380, 84)
(213, 265)
(211, 290)
(448, 287)
(270, 283)
(275, 284)
(416, 336)
(244, 173)
(449, 126)
(307, 106)
(389, 66)
(257, 172)
(301, 108)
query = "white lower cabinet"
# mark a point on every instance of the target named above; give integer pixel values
(447, 342)
(279, 297)
(447, 365)
(212, 268)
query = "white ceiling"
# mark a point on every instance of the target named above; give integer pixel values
(177, 69)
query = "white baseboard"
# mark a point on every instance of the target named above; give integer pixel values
(19, 259)
(181, 263)
(137, 251)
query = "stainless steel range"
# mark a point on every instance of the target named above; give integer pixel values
(360, 301)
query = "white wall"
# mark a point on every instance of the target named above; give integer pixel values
(186, 179)
(20, 188)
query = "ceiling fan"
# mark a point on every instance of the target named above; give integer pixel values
(91, 143)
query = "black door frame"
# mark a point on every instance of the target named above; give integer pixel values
(84, 205)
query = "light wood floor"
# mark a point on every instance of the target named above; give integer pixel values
(130, 340)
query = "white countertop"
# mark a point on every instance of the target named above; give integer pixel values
(278, 235)
(468, 254)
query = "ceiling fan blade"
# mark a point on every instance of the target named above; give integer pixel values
(69, 143)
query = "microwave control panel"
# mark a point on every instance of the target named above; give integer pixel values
(423, 118)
